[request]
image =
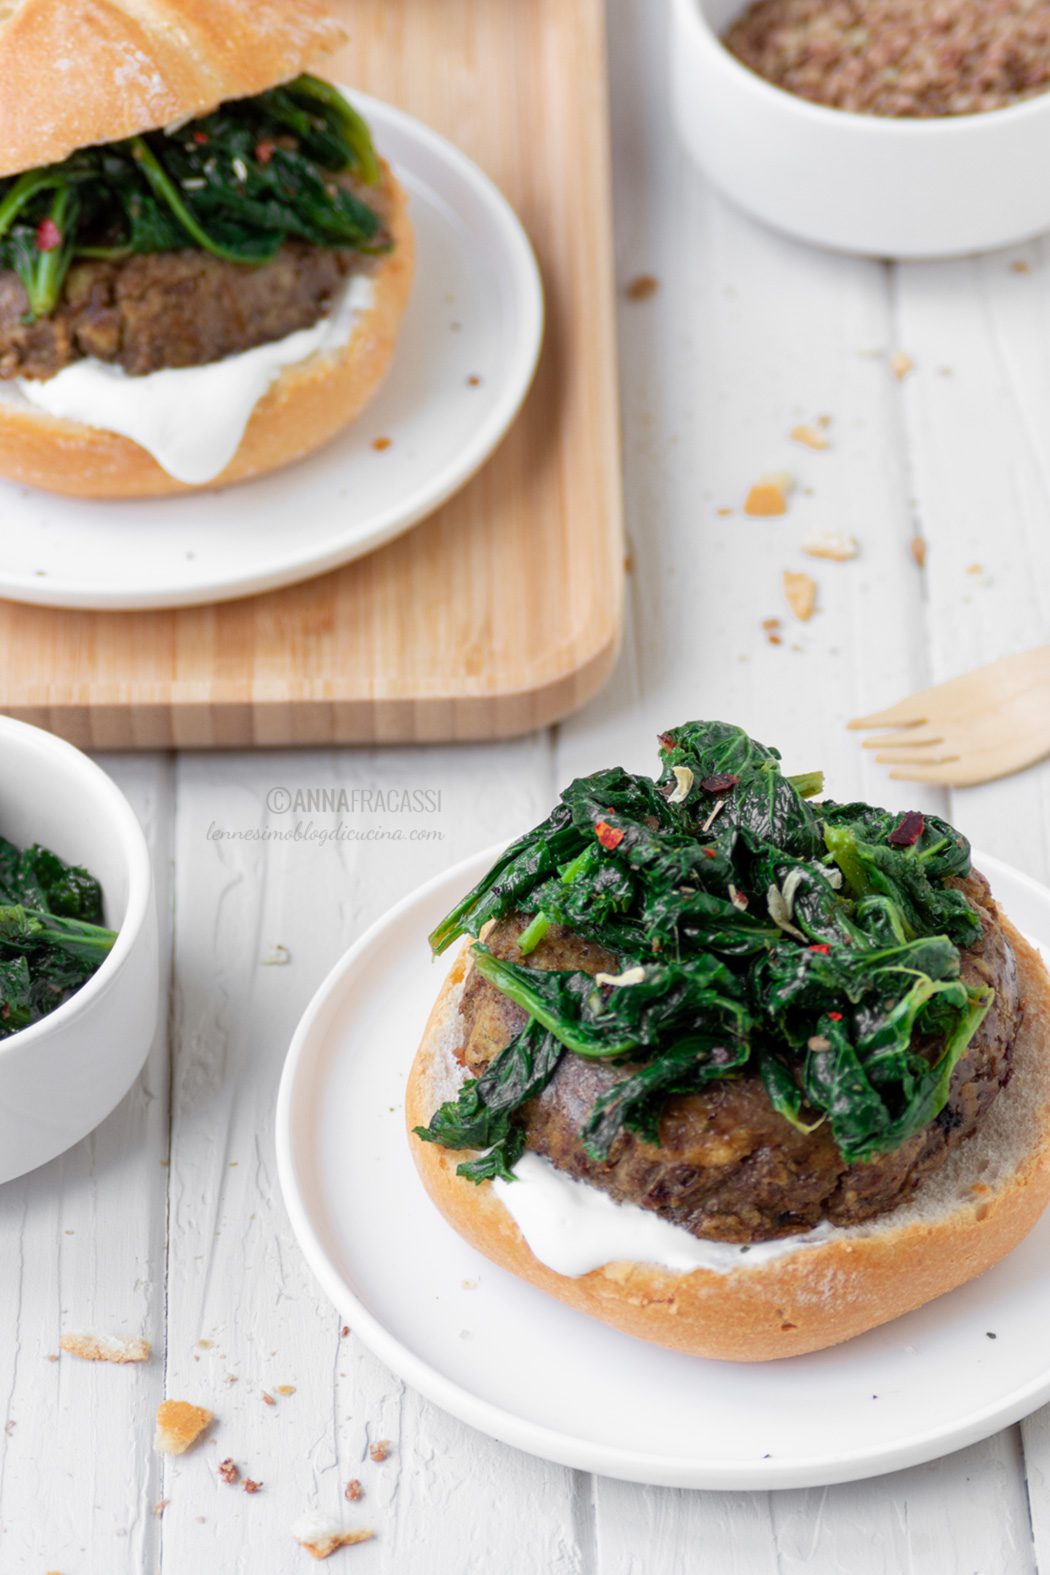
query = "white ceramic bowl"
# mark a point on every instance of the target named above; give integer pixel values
(857, 183)
(61, 1076)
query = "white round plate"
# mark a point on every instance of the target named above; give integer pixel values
(476, 313)
(534, 1373)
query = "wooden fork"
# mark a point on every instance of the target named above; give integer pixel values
(972, 729)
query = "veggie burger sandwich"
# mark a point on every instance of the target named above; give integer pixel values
(731, 1069)
(203, 262)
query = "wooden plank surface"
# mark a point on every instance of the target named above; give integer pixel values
(502, 612)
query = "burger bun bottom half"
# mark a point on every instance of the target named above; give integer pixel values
(306, 406)
(961, 1221)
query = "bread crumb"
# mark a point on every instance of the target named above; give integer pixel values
(179, 1425)
(974, 568)
(321, 1540)
(917, 548)
(809, 436)
(106, 1348)
(268, 1399)
(344, 1331)
(723, 512)
(381, 443)
(642, 288)
(800, 593)
(1020, 266)
(52, 1356)
(769, 496)
(228, 1471)
(286, 1389)
(380, 1450)
(901, 364)
(251, 1486)
(160, 1506)
(839, 546)
(354, 1491)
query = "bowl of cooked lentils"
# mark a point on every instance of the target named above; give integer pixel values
(891, 128)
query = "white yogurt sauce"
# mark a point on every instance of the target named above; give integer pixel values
(573, 1228)
(192, 419)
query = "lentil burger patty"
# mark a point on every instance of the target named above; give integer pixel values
(728, 1166)
(167, 309)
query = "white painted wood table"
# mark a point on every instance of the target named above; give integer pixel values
(168, 1222)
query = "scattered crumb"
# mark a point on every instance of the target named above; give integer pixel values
(628, 563)
(771, 626)
(769, 496)
(179, 1425)
(344, 1331)
(381, 443)
(205, 1345)
(228, 1471)
(991, 1335)
(52, 1356)
(268, 1399)
(975, 568)
(231, 1378)
(917, 548)
(1019, 266)
(468, 1285)
(901, 364)
(473, 381)
(286, 1389)
(160, 1506)
(106, 1348)
(839, 546)
(251, 1486)
(724, 512)
(824, 421)
(354, 1490)
(809, 436)
(642, 288)
(9, 1426)
(321, 1539)
(380, 1450)
(800, 593)
(280, 957)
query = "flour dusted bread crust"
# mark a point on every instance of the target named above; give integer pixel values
(306, 406)
(961, 1222)
(77, 72)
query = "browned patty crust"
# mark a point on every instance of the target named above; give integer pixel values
(728, 1167)
(172, 309)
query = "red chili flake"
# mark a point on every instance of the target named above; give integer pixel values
(201, 138)
(264, 152)
(836, 1017)
(823, 950)
(609, 836)
(710, 853)
(720, 784)
(48, 236)
(909, 830)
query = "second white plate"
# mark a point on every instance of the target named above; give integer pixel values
(462, 367)
(532, 1372)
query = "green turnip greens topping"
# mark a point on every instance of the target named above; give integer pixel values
(816, 943)
(237, 183)
(52, 938)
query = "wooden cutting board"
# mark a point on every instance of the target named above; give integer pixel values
(501, 612)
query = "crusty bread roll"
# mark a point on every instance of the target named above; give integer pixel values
(77, 72)
(965, 1218)
(304, 408)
